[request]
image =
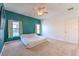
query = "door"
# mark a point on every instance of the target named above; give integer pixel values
(2, 27)
(71, 31)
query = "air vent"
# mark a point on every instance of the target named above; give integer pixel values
(69, 9)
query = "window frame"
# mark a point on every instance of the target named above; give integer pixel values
(38, 28)
(17, 30)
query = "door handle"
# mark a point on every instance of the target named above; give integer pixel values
(1, 40)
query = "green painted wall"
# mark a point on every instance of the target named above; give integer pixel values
(1, 4)
(28, 23)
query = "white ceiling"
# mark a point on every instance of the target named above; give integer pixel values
(54, 9)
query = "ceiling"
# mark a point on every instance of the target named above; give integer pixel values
(56, 10)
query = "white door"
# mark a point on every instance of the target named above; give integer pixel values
(71, 29)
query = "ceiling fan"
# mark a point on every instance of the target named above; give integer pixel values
(41, 10)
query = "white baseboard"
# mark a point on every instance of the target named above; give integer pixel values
(50, 40)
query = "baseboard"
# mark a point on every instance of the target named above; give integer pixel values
(49, 39)
(9, 41)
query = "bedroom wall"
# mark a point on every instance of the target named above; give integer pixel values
(63, 29)
(28, 23)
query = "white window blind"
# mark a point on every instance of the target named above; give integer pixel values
(38, 28)
(16, 31)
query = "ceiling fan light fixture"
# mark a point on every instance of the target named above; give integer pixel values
(40, 10)
(40, 13)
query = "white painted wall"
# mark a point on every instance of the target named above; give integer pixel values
(63, 29)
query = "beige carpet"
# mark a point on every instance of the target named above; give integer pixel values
(51, 48)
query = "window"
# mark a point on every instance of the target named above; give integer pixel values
(38, 28)
(16, 29)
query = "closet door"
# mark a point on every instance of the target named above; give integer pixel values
(2, 27)
(71, 31)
